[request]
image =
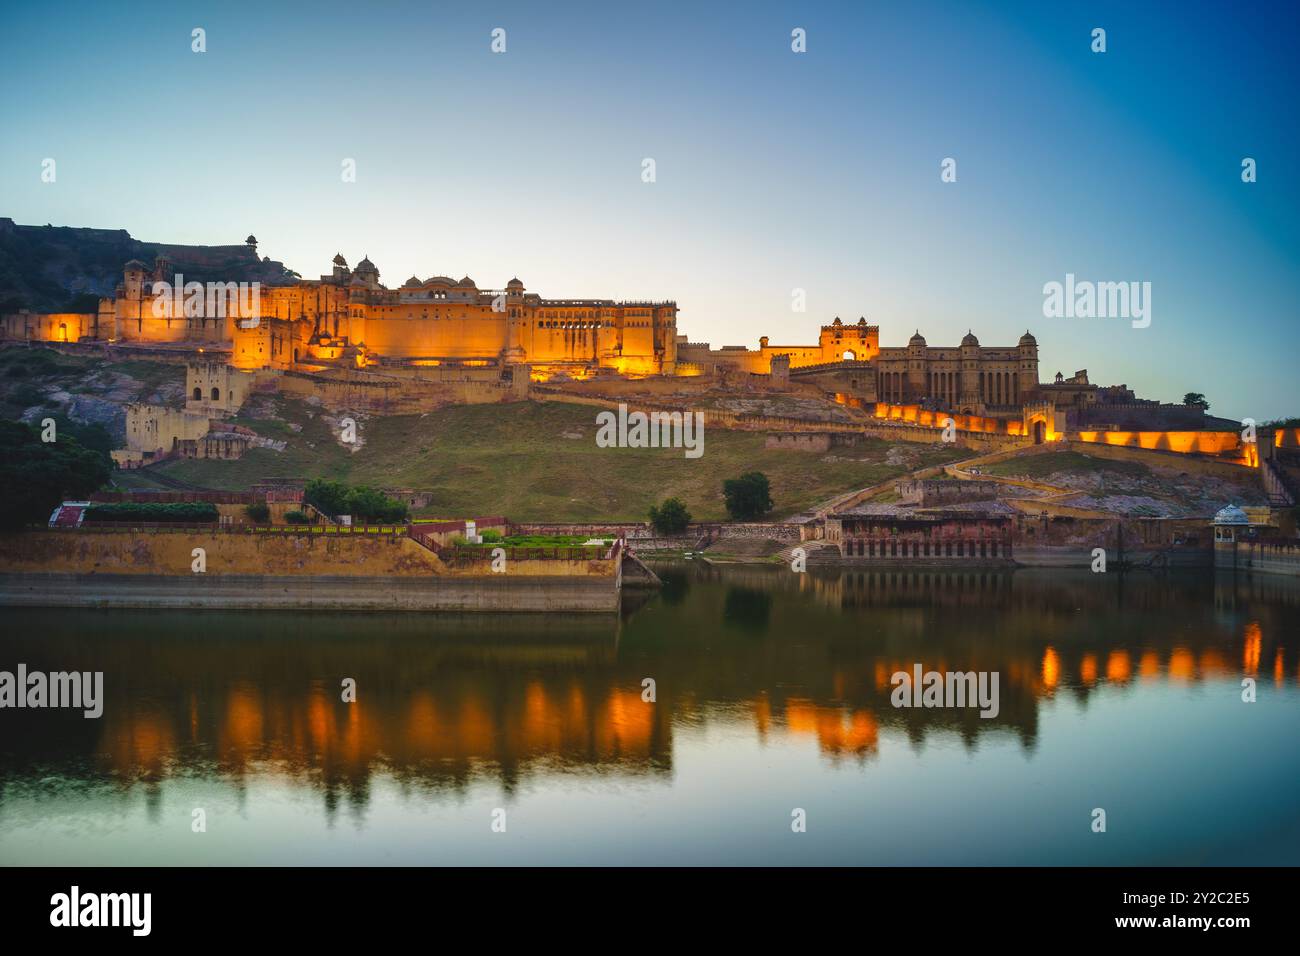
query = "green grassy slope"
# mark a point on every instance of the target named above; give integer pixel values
(515, 460)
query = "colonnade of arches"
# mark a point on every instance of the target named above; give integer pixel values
(997, 388)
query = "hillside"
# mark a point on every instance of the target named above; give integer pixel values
(1131, 487)
(537, 461)
(60, 268)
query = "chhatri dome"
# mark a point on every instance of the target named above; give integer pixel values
(1028, 339)
(969, 339)
(917, 339)
(1231, 515)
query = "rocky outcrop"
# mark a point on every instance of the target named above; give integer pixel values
(60, 268)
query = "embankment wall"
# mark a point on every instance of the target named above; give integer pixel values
(271, 569)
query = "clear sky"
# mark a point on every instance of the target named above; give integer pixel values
(775, 171)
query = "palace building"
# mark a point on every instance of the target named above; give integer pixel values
(348, 319)
(973, 378)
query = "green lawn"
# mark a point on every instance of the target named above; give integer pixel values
(514, 460)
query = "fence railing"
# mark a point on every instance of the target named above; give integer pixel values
(215, 528)
(475, 554)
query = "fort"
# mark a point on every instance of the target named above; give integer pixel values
(441, 330)
(350, 344)
(348, 319)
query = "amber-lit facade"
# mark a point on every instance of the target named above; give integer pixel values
(349, 318)
(969, 377)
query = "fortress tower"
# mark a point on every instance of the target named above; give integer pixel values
(969, 396)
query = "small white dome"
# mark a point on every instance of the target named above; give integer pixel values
(1231, 515)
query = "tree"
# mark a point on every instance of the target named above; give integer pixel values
(362, 502)
(37, 476)
(1196, 398)
(89, 435)
(296, 517)
(748, 497)
(329, 496)
(371, 504)
(259, 512)
(671, 517)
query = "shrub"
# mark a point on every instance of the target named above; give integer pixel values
(748, 497)
(187, 512)
(27, 396)
(259, 512)
(296, 517)
(491, 536)
(671, 517)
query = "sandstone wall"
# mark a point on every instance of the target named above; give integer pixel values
(270, 553)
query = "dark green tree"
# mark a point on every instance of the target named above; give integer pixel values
(371, 504)
(671, 517)
(1196, 398)
(36, 476)
(92, 436)
(748, 497)
(329, 496)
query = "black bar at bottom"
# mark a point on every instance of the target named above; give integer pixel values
(298, 905)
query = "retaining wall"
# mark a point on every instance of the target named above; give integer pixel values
(495, 593)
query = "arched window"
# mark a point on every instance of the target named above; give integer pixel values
(198, 394)
(216, 393)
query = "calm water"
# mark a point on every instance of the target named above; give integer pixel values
(772, 694)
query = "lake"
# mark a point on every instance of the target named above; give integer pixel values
(772, 738)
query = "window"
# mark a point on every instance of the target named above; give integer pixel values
(216, 393)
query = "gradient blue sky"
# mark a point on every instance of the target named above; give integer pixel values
(776, 171)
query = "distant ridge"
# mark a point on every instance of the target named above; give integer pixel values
(65, 268)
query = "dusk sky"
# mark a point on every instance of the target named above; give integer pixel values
(775, 170)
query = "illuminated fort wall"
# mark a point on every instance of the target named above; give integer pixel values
(836, 343)
(1227, 445)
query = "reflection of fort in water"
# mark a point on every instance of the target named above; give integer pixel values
(443, 702)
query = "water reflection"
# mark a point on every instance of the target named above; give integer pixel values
(446, 701)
